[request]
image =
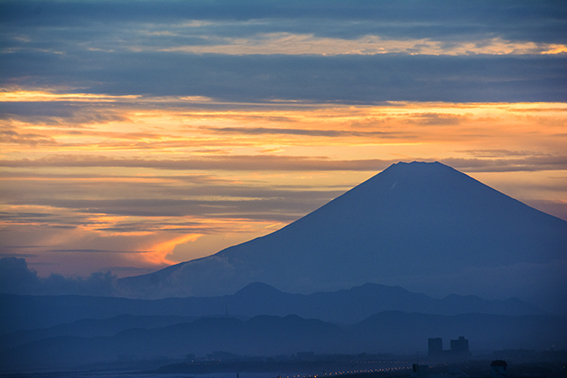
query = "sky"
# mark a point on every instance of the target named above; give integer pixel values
(139, 134)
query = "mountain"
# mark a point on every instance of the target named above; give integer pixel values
(90, 328)
(28, 318)
(422, 226)
(355, 304)
(385, 332)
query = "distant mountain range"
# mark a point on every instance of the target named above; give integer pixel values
(386, 332)
(340, 307)
(62, 332)
(422, 226)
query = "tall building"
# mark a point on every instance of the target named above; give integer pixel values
(460, 348)
(435, 346)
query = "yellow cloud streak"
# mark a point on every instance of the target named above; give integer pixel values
(39, 96)
(11, 95)
(296, 44)
(555, 49)
(324, 130)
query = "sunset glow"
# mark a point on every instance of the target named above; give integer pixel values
(143, 186)
(140, 144)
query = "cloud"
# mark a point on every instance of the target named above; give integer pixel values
(176, 203)
(89, 251)
(289, 163)
(64, 113)
(435, 119)
(534, 163)
(350, 79)
(17, 278)
(305, 132)
(13, 137)
(240, 162)
(297, 44)
(436, 19)
(270, 208)
(498, 153)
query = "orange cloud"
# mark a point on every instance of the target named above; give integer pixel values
(295, 44)
(157, 253)
(41, 96)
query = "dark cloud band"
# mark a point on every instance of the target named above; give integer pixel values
(263, 78)
(288, 163)
(441, 19)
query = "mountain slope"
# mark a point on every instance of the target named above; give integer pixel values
(419, 225)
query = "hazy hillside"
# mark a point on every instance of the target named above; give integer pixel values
(343, 307)
(90, 328)
(386, 332)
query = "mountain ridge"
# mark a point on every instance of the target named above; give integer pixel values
(413, 225)
(341, 307)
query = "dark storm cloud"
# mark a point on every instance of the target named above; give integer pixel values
(355, 79)
(17, 278)
(541, 21)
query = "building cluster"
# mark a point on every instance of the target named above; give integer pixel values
(498, 369)
(459, 349)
